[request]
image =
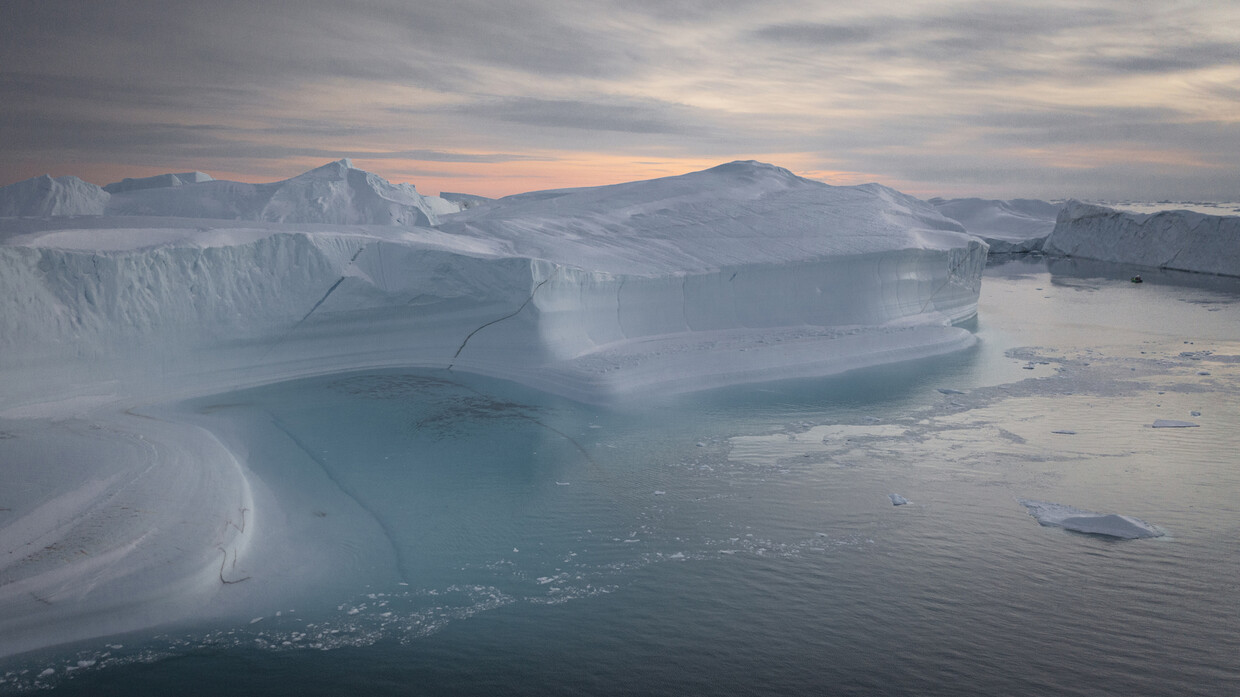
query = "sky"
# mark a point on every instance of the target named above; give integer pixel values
(1092, 99)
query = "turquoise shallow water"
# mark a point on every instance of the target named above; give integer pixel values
(484, 538)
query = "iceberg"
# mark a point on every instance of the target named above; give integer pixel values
(1010, 227)
(1181, 240)
(740, 273)
(1088, 522)
(156, 182)
(335, 193)
(45, 196)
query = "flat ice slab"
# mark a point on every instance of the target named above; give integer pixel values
(1172, 423)
(1075, 519)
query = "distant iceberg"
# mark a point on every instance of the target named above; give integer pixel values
(1075, 519)
(158, 181)
(45, 196)
(1181, 240)
(336, 193)
(1009, 227)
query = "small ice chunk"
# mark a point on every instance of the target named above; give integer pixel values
(659, 493)
(1065, 432)
(563, 483)
(1172, 423)
(1088, 522)
(897, 500)
(46, 672)
(948, 390)
(1194, 413)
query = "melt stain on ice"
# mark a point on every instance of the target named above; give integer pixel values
(1077, 520)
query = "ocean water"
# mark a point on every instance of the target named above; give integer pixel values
(467, 536)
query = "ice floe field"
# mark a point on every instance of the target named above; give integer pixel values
(731, 432)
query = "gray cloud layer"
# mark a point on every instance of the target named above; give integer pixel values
(938, 96)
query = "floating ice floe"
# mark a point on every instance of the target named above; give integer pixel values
(1172, 423)
(1075, 519)
(897, 500)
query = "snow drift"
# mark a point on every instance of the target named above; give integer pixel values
(1180, 240)
(1009, 227)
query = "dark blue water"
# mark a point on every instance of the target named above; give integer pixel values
(488, 539)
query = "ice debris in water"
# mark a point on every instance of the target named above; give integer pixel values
(897, 500)
(1172, 423)
(1108, 524)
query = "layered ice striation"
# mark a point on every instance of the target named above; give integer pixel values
(1009, 227)
(1181, 240)
(739, 273)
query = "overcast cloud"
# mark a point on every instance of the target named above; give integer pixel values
(1101, 99)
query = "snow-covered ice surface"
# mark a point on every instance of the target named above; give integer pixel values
(1181, 240)
(1009, 227)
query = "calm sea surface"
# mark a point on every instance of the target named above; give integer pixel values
(493, 540)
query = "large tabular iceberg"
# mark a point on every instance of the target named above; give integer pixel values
(740, 273)
(1182, 240)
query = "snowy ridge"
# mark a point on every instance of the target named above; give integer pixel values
(1009, 227)
(1181, 240)
(45, 196)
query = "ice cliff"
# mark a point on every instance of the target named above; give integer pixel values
(1009, 227)
(1181, 240)
(742, 272)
